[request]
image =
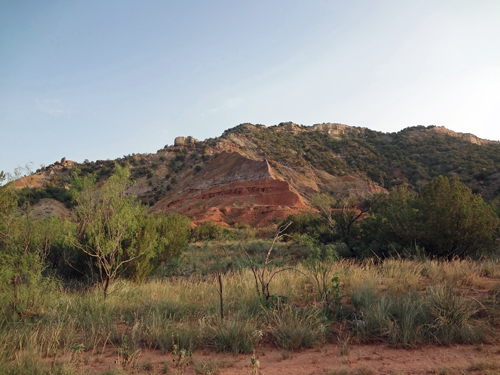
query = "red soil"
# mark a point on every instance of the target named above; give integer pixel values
(361, 359)
(231, 189)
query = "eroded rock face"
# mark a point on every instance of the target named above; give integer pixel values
(233, 188)
(441, 130)
(183, 141)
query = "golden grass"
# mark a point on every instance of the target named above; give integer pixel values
(189, 307)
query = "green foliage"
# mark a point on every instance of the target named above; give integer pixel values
(207, 231)
(446, 219)
(174, 231)
(142, 252)
(393, 223)
(325, 204)
(114, 233)
(33, 196)
(319, 266)
(309, 223)
(455, 221)
(24, 245)
(334, 290)
(172, 235)
(111, 227)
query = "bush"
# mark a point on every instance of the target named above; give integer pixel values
(311, 223)
(207, 231)
(173, 232)
(446, 219)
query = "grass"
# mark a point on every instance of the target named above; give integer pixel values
(233, 335)
(339, 372)
(210, 367)
(344, 349)
(439, 315)
(27, 363)
(443, 371)
(294, 329)
(452, 316)
(401, 275)
(482, 366)
(400, 302)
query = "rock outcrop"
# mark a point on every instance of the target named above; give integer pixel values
(50, 207)
(441, 130)
(183, 141)
(233, 188)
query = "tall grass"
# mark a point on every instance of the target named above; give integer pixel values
(27, 363)
(294, 328)
(458, 273)
(405, 303)
(451, 316)
(232, 335)
(401, 275)
(439, 315)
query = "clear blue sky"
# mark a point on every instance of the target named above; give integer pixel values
(102, 79)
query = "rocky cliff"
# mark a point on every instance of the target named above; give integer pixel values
(233, 188)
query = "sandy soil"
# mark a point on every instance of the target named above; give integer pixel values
(361, 359)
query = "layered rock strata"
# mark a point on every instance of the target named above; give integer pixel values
(233, 188)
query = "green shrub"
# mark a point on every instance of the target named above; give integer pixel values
(207, 231)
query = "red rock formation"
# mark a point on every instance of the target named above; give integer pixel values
(233, 188)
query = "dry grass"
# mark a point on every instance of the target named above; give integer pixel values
(398, 301)
(457, 273)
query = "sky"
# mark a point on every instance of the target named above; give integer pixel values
(103, 79)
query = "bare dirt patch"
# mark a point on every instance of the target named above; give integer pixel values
(361, 359)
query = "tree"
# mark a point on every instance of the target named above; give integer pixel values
(173, 232)
(446, 219)
(325, 204)
(455, 221)
(110, 226)
(343, 208)
(24, 245)
(393, 224)
(263, 275)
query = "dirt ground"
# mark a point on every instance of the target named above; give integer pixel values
(360, 360)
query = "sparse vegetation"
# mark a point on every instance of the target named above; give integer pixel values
(187, 309)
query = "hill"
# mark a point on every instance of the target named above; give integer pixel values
(256, 174)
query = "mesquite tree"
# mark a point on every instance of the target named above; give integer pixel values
(109, 226)
(263, 275)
